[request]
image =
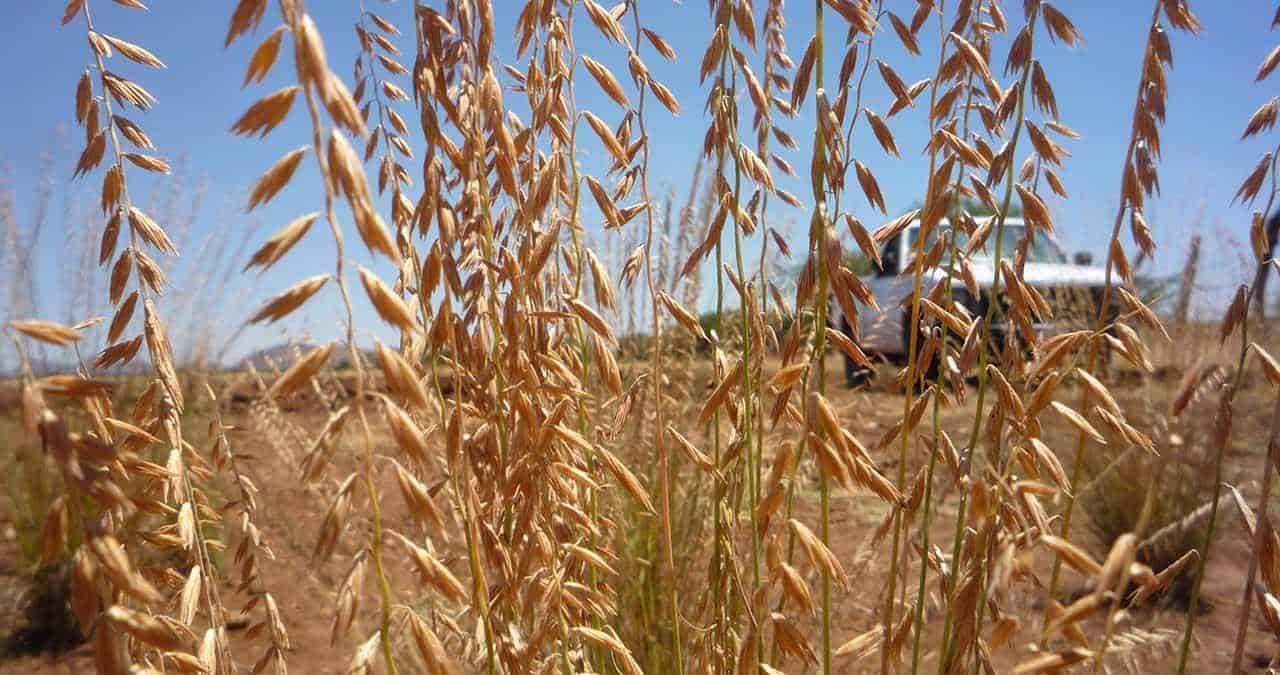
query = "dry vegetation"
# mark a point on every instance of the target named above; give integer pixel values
(533, 480)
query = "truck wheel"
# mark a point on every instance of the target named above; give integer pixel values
(930, 373)
(855, 374)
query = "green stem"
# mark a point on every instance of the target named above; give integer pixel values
(722, 555)
(745, 424)
(817, 236)
(806, 379)
(584, 351)
(984, 347)
(479, 595)
(1263, 529)
(1224, 442)
(900, 515)
(935, 422)
(1091, 363)
(656, 375)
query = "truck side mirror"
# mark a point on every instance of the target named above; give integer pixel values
(889, 258)
(1082, 258)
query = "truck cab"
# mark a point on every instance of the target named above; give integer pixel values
(1073, 288)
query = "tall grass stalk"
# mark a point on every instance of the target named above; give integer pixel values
(936, 421)
(1237, 315)
(1263, 528)
(1032, 12)
(371, 491)
(656, 374)
(818, 227)
(584, 351)
(1100, 321)
(1262, 248)
(912, 374)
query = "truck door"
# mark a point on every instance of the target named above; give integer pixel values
(882, 331)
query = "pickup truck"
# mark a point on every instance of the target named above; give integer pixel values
(1073, 289)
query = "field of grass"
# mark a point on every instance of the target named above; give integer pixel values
(271, 441)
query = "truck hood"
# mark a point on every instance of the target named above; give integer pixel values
(1038, 274)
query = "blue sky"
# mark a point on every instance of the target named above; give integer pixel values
(1212, 94)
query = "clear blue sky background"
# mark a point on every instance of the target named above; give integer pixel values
(1212, 94)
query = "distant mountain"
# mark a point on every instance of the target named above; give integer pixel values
(284, 354)
(281, 355)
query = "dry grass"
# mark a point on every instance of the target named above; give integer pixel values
(521, 485)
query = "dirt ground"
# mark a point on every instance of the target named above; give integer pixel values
(290, 516)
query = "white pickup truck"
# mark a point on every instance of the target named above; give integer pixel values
(1074, 287)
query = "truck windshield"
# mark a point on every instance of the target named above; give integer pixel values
(1042, 249)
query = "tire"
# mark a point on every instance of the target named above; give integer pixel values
(855, 374)
(930, 373)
